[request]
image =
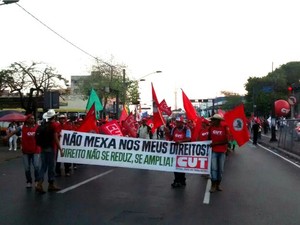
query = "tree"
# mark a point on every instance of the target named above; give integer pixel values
(32, 80)
(110, 82)
(231, 100)
(263, 91)
(133, 92)
(4, 80)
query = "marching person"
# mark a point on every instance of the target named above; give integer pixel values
(144, 131)
(219, 135)
(64, 124)
(48, 139)
(179, 134)
(31, 152)
(203, 135)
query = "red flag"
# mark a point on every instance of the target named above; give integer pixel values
(237, 123)
(221, 112)
(158, 120)
(112, 128)
(130, 125)
(150, 124)
(165, 108)
(190, 111)
(123, 115)
(89, 124)
(196, 129)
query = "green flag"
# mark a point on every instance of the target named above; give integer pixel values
(93, 98)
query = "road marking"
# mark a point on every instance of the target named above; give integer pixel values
(83, 182)
(206, 199)
(279, 156)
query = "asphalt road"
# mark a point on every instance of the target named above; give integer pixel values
(260, 188)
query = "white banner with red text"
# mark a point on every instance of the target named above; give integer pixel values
(127, 152)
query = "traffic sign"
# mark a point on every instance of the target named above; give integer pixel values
(292, 100)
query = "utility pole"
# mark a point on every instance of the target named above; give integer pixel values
(273, 118)
(213, 107)
(124, 88)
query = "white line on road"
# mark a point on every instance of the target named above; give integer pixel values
(83, 182)
(207, 193)
(279, 156)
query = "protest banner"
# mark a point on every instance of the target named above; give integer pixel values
(127, 152)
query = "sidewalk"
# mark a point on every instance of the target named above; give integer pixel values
(265, 141)
(6, 155)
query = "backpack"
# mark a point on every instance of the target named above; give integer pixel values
(44, 135)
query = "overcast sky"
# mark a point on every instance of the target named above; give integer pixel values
(202, 47)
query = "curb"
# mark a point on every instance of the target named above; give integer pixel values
(282, 151)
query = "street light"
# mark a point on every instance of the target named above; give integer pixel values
(5, 2)
(143, 79)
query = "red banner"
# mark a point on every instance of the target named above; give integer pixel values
(112, 128)
(130, 125)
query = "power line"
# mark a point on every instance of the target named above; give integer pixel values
(71, 43)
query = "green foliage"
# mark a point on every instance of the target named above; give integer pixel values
(263, 91)
(231, 100)
(133, 92)
(109, 81)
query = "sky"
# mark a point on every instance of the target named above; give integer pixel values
(201, 47)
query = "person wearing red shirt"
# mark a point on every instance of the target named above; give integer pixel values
(203, 134)
(219, 135)
(63, 125)
(179, 134)
(31, 152)
(167, 129)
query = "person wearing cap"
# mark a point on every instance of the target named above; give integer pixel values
(31, 152)
(203, 134)
(219, 136)
(179, 134)
(167, 129)
(63, 125)
(49, 148)
(77, 123)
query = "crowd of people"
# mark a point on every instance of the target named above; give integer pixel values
(214, 129)
(40, 146)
